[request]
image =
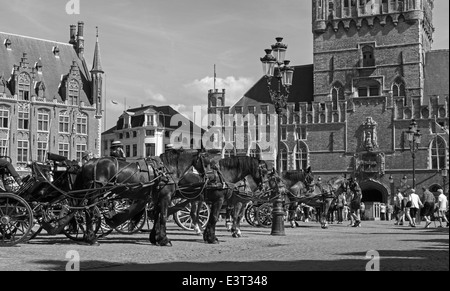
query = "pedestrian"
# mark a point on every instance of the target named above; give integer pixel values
(383, 211)
(340, 204)
(416, 204)
(428, 201)
(399, 208)
(5, 164)
(443, 207)
(87, 156)
(390, 210)
(363, 211)
(117, 151)
(355, 204)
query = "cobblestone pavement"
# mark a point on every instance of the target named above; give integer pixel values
(306, 248)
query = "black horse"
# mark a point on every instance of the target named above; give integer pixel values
(114, 177)
(232, 172)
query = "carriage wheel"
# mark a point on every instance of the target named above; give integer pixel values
(16, 220)
(264, 215)
(183, 217)
(76, 229)
(131, 227)
(250, 215)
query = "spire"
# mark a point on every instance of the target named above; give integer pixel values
(97, 66)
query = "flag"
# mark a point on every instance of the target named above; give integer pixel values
(440, 126)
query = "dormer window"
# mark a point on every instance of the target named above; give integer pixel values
(24, 87)
(7, 44)
(74, 93)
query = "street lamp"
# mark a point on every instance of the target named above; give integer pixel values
(444, 174)
(275, 65)
(414, 138)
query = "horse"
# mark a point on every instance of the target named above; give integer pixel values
(110, 176)
(232, 171)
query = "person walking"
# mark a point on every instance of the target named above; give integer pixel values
(383, 211)
(340, 204)
(428, 201)
(399, 208)
(443, 207)
(416, 204)
(355, 204)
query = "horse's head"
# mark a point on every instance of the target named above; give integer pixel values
(308, 177)
(275, 182)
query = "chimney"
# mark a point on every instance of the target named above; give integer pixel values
(73, 35)
(80, 39)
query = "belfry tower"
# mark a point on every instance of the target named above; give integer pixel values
(368, 48)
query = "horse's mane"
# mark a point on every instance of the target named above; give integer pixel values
(243, 163)
(297, 176)
(177, 156)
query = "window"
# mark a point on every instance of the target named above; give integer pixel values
(64, 122)
(167, 134)
(127, 135)
(301, 156)
(398, 88)
(283, 133)
(152, 133)
(22, 151)
(255, 153)
(368, 91)
(74, 89)
(63, 149)
(24, 118)
(135, 150)
(82, 124)
(4, 117)
(265, 112)
(284, 159)
(134, 134)
(368, 56)
(43, 120)
(24, 87)
(128, 151)
(120, 135)
(300, 133)
(150, 120)
(150, 150)
(4, 147)
(438, 154)
(337, 94)
(41, 151)
(105, 145)
(229, 153)
(252, 115)
(81, 148)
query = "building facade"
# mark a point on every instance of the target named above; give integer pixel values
(49, 100)
(374, 72)
(146, 131)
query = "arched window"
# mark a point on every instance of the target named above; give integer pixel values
(398, 88)
(74, 93)
(438, 154)
(301, 156)
(284, 158)
(368, 56)
(24, 87)
(337, 93)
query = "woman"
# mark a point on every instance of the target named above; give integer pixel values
(340, 203)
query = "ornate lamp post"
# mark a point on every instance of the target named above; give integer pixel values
(414, 138)
(444, 174)
(275, 65)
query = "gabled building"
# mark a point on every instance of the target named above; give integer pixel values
(147, 130)
(49, 99)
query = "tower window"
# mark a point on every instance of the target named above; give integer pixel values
(74, 89)
(398, 88)
(337, 93)
(368, 56)
(24, 87)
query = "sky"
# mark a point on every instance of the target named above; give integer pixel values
(163, 52)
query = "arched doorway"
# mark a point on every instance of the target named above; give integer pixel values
(374, 194)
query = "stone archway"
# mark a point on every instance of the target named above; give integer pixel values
(374, 191)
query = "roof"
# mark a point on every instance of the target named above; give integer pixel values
(436, 73)
(52, 67)
(165, 115)
(301, 90)
(97, 64)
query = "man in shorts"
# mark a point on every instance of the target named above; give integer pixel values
(443, 205)
(428, 206)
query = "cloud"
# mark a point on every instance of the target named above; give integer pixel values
(154, 98)
(235, 88)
